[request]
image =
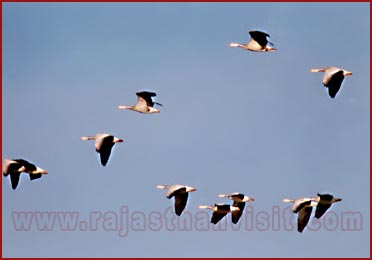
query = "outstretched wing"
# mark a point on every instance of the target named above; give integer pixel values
(235, 215)
(180, 202)
(259, 37)
(14, 179)
(35, 176)
(105, 149)
(217, 216)
(147, 97)
(334, 83)
(321, 209)
(303, 217)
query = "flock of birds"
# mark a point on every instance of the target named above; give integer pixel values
(104, 143)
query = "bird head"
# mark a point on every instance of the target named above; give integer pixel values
(118, 140)
(247, 199)
(190, 189)
(347, 73)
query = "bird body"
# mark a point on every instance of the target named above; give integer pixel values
(103, 143)
(144, 103)
(259, 42)
(332, 78)
(239, 201)
(219, 211)
(15, 167)
(324, 201)
(303, 207)
(181, 194)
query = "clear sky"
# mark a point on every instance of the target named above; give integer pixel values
(232, 120)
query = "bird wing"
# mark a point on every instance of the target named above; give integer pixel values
(145, 96)
(235, 215)
(217, 216)
(29, 166)
(104, 148)
(35, 176)
(259, 37)
(298, 205)
(333, 82)
(303, 217)
(180, 202)
(14, 179)
(237, 196)
(321, 208)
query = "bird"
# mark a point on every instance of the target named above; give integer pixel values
(180, 193)
(14, 168)
(104, 144)
(239, 201)
(325, 201)
(258, 42)
(219, 211)
(332, 78)
(303, 207)
(144, 103)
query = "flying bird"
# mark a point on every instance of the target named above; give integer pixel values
(303, 207)
(239, 201)
(219, 211)
(259, 42)
(180, 194)
(144, 103)
(104, 144)
(325, 201)
(332, 78)
(15, 167)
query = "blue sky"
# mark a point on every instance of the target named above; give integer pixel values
(232, 120)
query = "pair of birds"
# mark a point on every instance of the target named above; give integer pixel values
(304, 206)
(236, 209)
(181, 194)
(14, 168)
(104, 142)
(333, 76)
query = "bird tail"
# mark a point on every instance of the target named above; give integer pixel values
(223, 196)
(161, 186)
(234, 44)
(287, 200)
(158, 104)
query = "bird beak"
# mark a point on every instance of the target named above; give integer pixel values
(348, 73)
(42, 171)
